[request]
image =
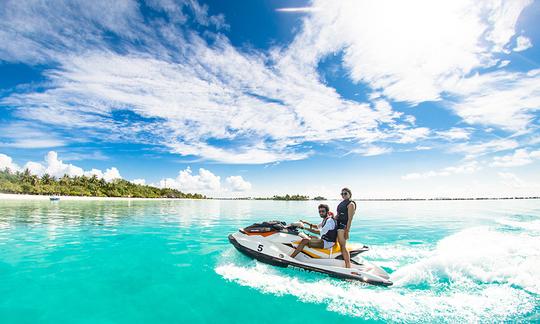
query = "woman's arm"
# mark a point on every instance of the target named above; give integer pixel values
(351, 208)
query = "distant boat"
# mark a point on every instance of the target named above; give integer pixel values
(54, 198)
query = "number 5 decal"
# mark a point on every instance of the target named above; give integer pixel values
(260, 248)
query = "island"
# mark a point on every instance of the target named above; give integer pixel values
(27, 183)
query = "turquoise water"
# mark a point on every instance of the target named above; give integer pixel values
(170, 261)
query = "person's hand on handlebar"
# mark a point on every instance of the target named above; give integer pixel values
(298, 224)
(308, 223)
(311, 226)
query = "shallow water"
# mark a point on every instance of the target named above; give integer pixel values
(170, 261)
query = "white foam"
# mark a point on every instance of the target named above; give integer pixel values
(390, 304)
(474, 275)
(479, 255)
(533, 226)
(397, 252)
(391, 256)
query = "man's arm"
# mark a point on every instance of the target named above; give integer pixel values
(313, 229)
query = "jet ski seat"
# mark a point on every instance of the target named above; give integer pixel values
(333, 250)
(336, 249)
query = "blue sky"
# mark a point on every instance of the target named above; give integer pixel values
(255, 98)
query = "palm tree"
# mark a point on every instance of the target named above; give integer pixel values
(26, 176)
(46, 179)
(64, 181)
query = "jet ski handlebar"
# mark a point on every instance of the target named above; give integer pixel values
(296, 225)
(308, 223)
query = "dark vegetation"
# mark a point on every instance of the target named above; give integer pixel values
(286, 197)
(28, 183)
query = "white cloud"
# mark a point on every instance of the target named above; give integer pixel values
(7, 162)
(205, 182)
(260, 103)
(94, 172)
(465, 168)
(27, 28)
(25, 135)
(510, 180)
(34, 143)
(111, 174)
(185, 92)
(35, 168)
(455, 133)
(192, 105)
(237, 183)
(139, 181)
(422, 148)
(437, 53)
(77, 156)
(256, 154)
(38, 32)
(507, 100)
(438, 42)
(473, 150)
(200, 12)
(372, 150)
(522, 43)
(518, 158)
(55, 167)
(186, 181)
(503, 63)
(410, 135)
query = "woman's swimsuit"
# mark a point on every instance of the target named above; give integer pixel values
(343, 213)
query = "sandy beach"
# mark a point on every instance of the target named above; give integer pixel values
(4, 196)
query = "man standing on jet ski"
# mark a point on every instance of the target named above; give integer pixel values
(327, 230)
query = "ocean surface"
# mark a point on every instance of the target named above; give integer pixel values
(170, 262)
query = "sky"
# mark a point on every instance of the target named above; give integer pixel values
(393, 99)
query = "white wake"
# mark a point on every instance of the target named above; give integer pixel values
(473, 275)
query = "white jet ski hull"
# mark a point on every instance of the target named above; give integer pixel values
(276, 248)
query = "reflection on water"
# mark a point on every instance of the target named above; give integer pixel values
(144, 260)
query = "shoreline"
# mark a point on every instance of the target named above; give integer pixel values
(5, 196)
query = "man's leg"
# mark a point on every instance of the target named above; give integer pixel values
(316, 243)
(313, 243)
(300, 247)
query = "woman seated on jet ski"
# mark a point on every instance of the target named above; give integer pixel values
(327, 230)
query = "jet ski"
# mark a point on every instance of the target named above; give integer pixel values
(273, 242)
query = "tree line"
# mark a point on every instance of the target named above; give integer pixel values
(27, 183)
(286, 197)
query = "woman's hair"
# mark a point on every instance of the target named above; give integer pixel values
(348, 190)
(325, 206)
